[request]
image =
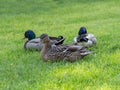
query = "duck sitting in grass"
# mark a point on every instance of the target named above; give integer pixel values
(35, 43)
(84, 39)
(52, 52)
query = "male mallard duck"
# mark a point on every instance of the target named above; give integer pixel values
(35, 43)
(84, 39)
(60, 52)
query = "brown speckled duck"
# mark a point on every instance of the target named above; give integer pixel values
(35, 43)
(52, 52)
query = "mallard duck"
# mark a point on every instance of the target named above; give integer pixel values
(36, 44)
(61, 52)
(84, 39)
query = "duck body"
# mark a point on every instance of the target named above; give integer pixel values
(88, 40)
(34, 43)
(61, 52)
(84, 39)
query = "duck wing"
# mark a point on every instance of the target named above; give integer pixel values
(59, 39)
(59, 48)
(56, 38)
(60, 42)
(82, 38)
(53, 38)
(74, 48)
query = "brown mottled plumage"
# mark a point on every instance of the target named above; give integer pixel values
(60, 52)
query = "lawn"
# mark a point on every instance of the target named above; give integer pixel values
(25, 70)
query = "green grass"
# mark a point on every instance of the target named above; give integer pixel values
(25, 70)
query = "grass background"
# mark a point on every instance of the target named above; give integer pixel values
(25, 70)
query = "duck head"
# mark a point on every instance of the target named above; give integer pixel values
(82, 31)
(29, 34)
(44, 38)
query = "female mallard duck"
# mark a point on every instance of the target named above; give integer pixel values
(35, 43)
(84, 39)
(60, 52)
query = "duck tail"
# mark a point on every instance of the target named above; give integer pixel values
(61, 37)
(86, 53)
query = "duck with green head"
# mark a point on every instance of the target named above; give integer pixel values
(84, 39)
(35, 43)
